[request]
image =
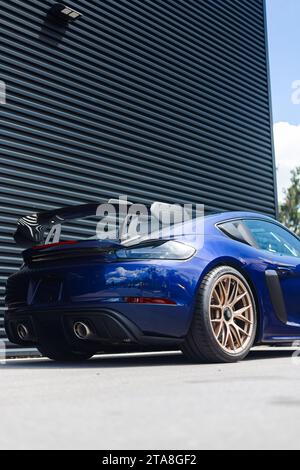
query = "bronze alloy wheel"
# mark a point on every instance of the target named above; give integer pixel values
(232, 314)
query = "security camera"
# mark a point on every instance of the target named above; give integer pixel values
(64, 13)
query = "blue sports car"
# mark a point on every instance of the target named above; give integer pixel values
(213, 296)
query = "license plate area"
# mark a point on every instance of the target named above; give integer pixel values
(47, 291)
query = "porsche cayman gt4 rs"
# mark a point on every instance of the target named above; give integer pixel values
(213, 299)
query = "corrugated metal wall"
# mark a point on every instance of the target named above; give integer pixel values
(156, 99)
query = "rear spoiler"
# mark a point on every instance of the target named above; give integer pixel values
(31, 229)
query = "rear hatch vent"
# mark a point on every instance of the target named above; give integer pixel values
(67, 252)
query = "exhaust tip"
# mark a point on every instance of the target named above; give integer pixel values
(23, 332)
(81, 330)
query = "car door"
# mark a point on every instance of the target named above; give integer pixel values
(281, 251)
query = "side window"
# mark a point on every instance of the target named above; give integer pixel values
(273, 238)
(236, 230)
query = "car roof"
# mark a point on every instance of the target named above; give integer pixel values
(223, 216)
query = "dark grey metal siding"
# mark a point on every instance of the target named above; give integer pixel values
(156, 99)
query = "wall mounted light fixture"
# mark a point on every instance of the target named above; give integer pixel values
(62, 12)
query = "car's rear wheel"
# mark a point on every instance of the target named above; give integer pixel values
(224, 325)
(62, 353)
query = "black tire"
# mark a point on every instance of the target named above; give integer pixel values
(201, 344)
(63, 353)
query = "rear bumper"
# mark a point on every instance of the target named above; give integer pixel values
(51, 298)
(109, 329)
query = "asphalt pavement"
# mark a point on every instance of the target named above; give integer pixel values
(151, 401)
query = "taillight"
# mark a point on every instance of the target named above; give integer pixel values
(51, 245)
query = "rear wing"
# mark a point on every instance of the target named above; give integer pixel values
(45, 227)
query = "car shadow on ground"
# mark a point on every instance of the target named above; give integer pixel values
(137, 360)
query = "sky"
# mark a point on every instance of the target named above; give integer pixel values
(284, 52)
